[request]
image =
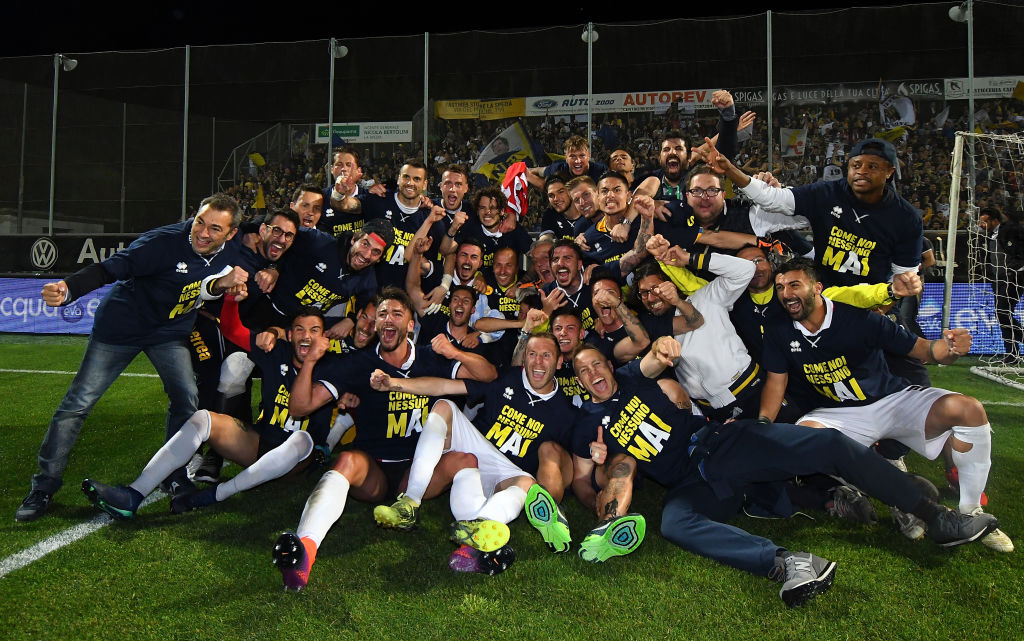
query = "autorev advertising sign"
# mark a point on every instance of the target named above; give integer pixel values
(22, 309)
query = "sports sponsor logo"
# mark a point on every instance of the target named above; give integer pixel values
(72, 313)
(544, 103)
(43, 253)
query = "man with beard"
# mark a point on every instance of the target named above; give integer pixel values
(561, 217)
(279, 442)
(161, 280)
(712, 469)
(520, 435)
(433, 317)
(665, 311)
(341, 213)
(322, 271)
(389, 425)
(410, 213)
(600, 243)
(674, 157)
(487, 225)
(568, 288)
(454, 186)
(308, 203)
(834, 352)
(577, 163)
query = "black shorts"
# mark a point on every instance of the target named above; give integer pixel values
(394, 472)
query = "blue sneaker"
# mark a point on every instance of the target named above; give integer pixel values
(119, 502)
(188, 502)
(614, 537)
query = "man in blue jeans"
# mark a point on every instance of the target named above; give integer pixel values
(161, 281)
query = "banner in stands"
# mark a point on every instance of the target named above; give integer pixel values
(22, 309)
(350, 132)
(479, 109)
(60, 254)
(634, 101)
(989, 87)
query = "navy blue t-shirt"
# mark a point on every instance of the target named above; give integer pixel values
(517, 420)
(156, 296)
(855, 242)
(841, 365)
(279, 372)
(388, 424)
(392, 267)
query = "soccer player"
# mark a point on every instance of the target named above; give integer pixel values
(279, 442)
(561, 217)
(710, 468)
(520, 435)
(863, 230)
(161, 280)
(617, 332)
(488, 225)
(389, 425)
(308, 204)
(834, 353)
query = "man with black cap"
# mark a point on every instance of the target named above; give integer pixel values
(864, 232)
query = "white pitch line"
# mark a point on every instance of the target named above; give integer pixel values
(56, 371)
(19, 560)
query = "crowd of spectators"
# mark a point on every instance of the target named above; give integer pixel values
(924, 149)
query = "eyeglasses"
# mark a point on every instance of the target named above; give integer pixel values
(758, 261)
(646, 293)
(276, 231)
(705, 193)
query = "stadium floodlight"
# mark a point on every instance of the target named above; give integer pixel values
(958, 13)
(589, 35)
(67, 64)
(339, 50)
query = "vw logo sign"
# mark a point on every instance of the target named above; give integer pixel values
(43, 253)
(545, 103)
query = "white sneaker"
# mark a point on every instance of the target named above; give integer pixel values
(996, 539)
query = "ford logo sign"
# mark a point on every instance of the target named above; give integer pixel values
(545, 103)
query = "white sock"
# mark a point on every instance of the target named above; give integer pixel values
(323, 507)
(274, 464)
(467, 495)
(504, 506)
(429, 449)
(338, 429)
(973, 466)
(175, 453)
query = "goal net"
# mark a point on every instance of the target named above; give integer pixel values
(986, 191)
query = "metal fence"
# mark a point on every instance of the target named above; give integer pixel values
(140, 137)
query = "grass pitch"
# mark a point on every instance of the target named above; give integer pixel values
(208, 574)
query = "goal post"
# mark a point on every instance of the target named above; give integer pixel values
(987, 172)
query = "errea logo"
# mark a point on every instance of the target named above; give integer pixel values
(837, 211)
(508, 393)
(181, 268)
(388, 214)
(320, 267)
(794, 346)
(284, 369)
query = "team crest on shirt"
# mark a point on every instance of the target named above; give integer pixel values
(597, 247)
(388, 214)
(508, 393)
(320, 267)
(794, 346)
(181, 268)
(837, 211)
(284, 369)
(606, 420)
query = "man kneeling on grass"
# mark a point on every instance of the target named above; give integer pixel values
(275, 445)
(630, 425)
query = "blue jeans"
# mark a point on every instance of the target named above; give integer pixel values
(100, 367)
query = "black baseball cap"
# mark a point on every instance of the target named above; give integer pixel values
(875, 147)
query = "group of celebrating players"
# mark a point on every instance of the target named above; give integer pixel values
(660, 331)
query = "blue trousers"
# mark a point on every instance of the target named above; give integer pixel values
(101, 365)
(743, 456)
